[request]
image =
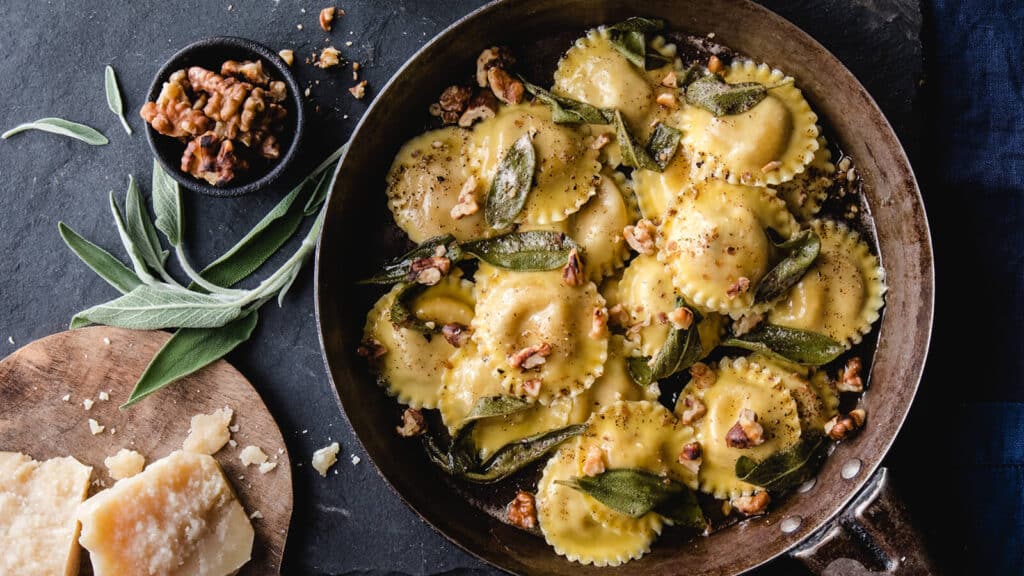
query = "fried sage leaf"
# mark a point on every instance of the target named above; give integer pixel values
(792, 344)
(397, 270)
(663, 144)
(568, 111)
(801, 250)
(511, 184)
(720, 98)
(681, 349)
(534, 250)
(515, 456)
(461, 455)
(629, 38)
(632, 154)
(787, 468)
(403, 316)
(636, 492)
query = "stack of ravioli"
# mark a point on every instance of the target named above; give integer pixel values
(735, 187)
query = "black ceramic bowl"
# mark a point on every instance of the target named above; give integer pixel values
(210, 53)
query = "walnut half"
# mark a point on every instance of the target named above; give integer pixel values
(522, 511)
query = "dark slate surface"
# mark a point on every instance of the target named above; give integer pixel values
(54, 53)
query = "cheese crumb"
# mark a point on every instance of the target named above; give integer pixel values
(325, 457)
(232, 443)
(66, 397)
(252, 455)
(209, 432)
(106, 341)
(124, 464)
(257, 515)
(355, 459)
(87, 403)
(95, 427)
(267, 467)
(104, 395)
(233, 428)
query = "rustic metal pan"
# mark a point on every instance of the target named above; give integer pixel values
(820, 525)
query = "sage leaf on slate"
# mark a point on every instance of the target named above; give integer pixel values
(568, 111)
(158, 306)
(403, 316)
(114, 97)
(516, 455)
(141, 230)
(720, 98)
(629, 38)
(511, 184)
(786, 468)
(128, 241)
(189, 350)
(682, 348)
(791, 344)
(397, 270)
(634, 492)
(61, 127)
(663, 144)
(101, 262)
(801, 250)
(632, 154)
(534, 250)
(167, 204)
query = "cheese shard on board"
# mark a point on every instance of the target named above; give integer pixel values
(209, 433)
(178, 516)
(38, 524)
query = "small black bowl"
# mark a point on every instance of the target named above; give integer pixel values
(210, 53)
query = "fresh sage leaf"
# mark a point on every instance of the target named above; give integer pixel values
(715, 95)
(629, 38)
(403, 316)
(167, 204)
(127, 240)
(632, 154)
(141, 230)
(534, 250)
(787, 468)
(631, 491)
(801, 250)
(61, 127)
(511, 184)
(397, 270)
(158, 306)
(516, 455)
(791, 344)
(189, 350)
(682, 348)
(663, 144)
(101, 262)
(114, 97)
(568, 111)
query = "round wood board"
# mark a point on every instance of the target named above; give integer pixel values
(35, 420)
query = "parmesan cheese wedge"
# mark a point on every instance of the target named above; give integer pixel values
(178, 516)
(38, 525)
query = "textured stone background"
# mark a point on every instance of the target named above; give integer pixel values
(54, 53)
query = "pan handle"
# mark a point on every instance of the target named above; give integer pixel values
(873, 536)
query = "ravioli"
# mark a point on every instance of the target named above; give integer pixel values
(841, 295)
(806, 192)
(656, 191)
(615, 384)
(766, 145)
(716, 244)
(597, 227)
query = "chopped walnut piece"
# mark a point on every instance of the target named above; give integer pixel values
(250, 70)
(601, 141)
(493, 57)
(329, 57)
(702, 375)
(531, 387)
(505, 87)
(371, 349)
(691, 457)
(455, 99)
(641, 236)
(739, 287)
(618, 316)
(693, 409)
(667, 100)
(746, 432)
(773, 165)
(482, 106)
(172, 114)
(456, 334)
(840, 427)
(530, 357)
(849, 379)
(429, 271)
(752, 505)
(522, 511)
(715, 64)
(599, 324)
(359, 90)
(670, 80)
(413, 423)
(356, 66)
(327, 18)
(572, 272)
(212, 159)
(681, 318)
(744, 324)
(467, 204)
(594, 462)
(288, 56)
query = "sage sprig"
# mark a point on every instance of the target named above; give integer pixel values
(61, 127)
(635, 492)
(629, 38)
(533, 250)
(114, 97)
(786, 468)
(102, 262)
(790, 344)
(715, 95)
(511, 184)
(633, 154)
(801, 251)
(568, 111)
(397, 269)
(403, 316)
(461, 455)
(518, 454)
(682, 348)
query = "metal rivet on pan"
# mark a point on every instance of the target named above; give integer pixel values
(790, 524)
(850, 469)
(806, 486)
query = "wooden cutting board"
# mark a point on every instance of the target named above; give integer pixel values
(37, 421)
